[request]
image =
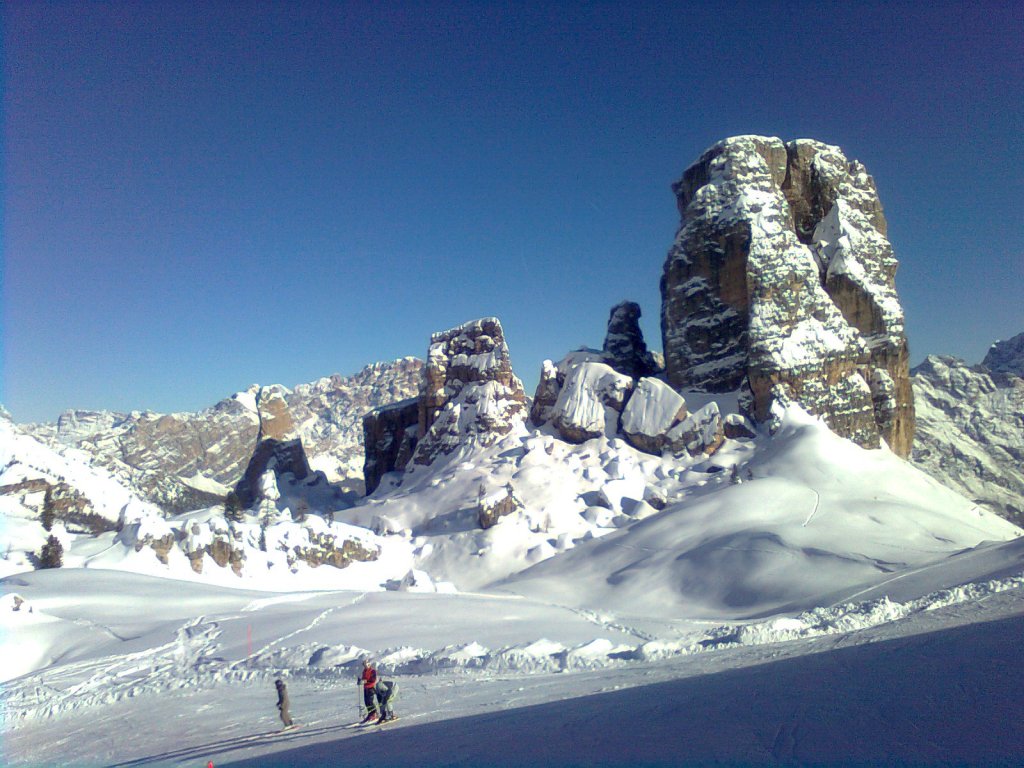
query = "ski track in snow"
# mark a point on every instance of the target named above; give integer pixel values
(319, 619)
(190, 661)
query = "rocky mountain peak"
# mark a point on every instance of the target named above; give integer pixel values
(186, 461)
(970, 431)
(624, 346)
(469, 390)
(276, 421)
(468, 396)
(781, 283)
(1006, 357)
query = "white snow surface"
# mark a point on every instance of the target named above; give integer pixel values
(821, 603)
(652, 409)
(118, 669)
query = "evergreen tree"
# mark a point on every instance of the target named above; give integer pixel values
(47, 517)
(233, 510)
(52, 553)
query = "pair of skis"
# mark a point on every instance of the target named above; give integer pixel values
(368, 723)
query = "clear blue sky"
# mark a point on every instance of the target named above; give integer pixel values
(200, 196)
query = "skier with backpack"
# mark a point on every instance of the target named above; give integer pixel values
(386, 691)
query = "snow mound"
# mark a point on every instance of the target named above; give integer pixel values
(820, 515)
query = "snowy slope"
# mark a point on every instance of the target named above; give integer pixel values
(135, 670)
(26, 468)
(609, 570)
(820, 514)
(817, 514)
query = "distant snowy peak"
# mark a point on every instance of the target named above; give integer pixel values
(37, 481)
(179, 460)
(970, 432)
(1006, 356)
(781, 282)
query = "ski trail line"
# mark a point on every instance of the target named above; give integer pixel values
(320, 617)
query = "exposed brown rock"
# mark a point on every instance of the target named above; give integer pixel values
(544, 399)
(325, 549)
(700, 432)
(389, 440)
(590, 402)
(653, 409)
(491, 509)
(781, 282)
(275, 417)
(470, 393)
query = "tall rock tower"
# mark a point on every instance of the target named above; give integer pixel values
(781, 283)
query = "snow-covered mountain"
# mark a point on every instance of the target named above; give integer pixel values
(816, 566)
(631, 525)
(186, 461)
(83, 501)
(970, 432)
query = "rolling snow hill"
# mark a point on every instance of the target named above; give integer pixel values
(666, 587)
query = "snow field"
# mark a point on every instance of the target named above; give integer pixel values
(939, 686)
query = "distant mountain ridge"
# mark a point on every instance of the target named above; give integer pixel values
(185, 461)
(970, 426)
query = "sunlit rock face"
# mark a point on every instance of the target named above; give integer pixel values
(780, 283)
(185, 461)
(470, 393)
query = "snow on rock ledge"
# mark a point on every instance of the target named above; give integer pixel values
(651, 412)
(781, 281)
(590, 401)
(470, 394)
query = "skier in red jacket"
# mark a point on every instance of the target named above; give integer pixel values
(369, 681)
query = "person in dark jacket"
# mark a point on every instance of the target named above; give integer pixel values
(282, 703)
(386, 690)
(369, 681)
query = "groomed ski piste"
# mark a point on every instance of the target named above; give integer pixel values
(821, 604)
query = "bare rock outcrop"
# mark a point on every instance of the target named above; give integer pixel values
(781, 283)
(490, 509)
(335, 551)
(624, 346)
(653, 410)
(590, 402)
(469, 394)
(702, 431)
(390, 435)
